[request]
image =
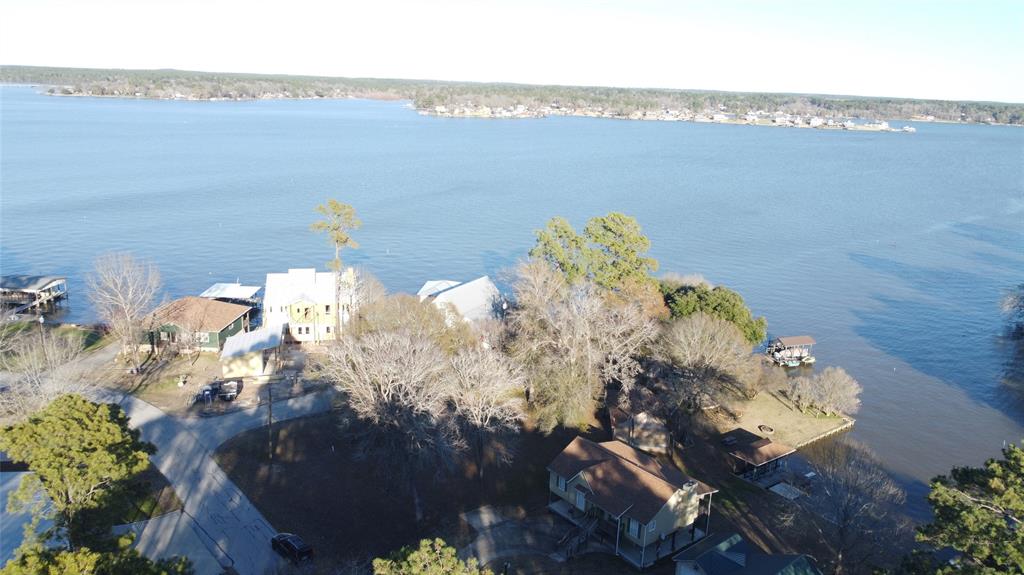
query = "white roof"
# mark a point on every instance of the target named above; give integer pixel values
(248, 342)
(302, 284)
(231, 291)
(474, 300)
(29, 283)
(434, 286)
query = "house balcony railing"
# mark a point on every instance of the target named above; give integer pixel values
(640, 557)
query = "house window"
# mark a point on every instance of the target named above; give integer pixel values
(164, 336)
(328, 329)
(581, 501)
(204, 337)
(561, 483)
(634, 528)
(327, 308)
(650, 526)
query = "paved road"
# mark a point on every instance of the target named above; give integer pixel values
(233, 530)
(215, 511)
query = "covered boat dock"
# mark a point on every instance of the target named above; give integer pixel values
(791, 351)
(23, 293)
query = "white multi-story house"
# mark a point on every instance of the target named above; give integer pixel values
(303, 301)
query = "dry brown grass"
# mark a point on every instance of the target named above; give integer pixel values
(792, 427)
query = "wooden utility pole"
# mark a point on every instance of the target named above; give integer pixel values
(270, 420)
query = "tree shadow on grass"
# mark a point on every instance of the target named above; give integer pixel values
(317, 487)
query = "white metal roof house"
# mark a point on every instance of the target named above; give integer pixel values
(303, 300)
(473, 300)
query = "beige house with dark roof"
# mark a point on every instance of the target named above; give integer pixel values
(639, 508)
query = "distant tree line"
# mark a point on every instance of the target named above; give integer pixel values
(428, 94)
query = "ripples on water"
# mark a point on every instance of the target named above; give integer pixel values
(893, 250)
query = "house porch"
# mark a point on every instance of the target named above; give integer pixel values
(609, 537)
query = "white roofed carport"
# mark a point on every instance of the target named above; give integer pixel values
(267, 337)
(231, 291)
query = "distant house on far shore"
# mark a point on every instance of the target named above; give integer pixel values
(209, 321)
(474, 300)
(731, 554)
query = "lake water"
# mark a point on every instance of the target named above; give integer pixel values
(892, 250)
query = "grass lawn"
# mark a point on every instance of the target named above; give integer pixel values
(92, 339)
(159, 384)
(150, 495)
(317, 489)
(792, 427)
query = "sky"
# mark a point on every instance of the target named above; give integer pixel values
(942, 49)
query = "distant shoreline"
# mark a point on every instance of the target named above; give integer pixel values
(520, 101)
(763, 120)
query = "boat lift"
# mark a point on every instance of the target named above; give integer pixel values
(791, 351)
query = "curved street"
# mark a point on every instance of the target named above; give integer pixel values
(229, 526)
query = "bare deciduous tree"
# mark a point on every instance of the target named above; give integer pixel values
(40, 366)
(395, 384)
(676, 279)
(405, 312)
(574, 342)
(487, 395)
(833, 392)
(8, 335)
(123, 290)
(801, 392)
(836, 392)
(1013, 307)
(367, 289)
(860, 503)
(709, 362)
(706, 345)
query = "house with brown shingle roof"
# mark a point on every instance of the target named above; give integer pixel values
(636, 506)
(196, 321)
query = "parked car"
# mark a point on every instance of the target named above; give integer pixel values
(228, 390)
(291, 547)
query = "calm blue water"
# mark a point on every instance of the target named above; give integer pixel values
(893, 250)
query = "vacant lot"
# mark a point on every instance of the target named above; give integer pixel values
(318, 489)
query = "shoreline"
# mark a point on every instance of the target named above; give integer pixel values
(777, 119)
